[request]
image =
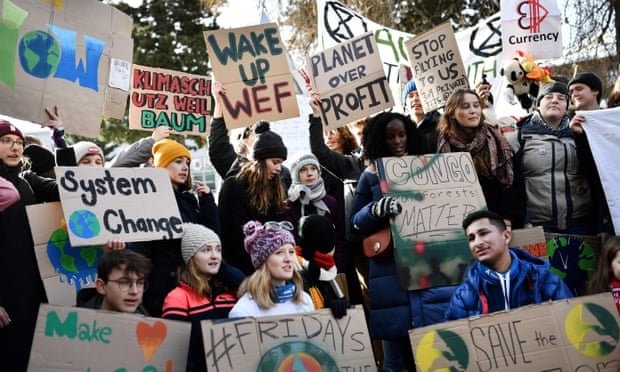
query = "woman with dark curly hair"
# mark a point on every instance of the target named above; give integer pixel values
(463, 128)
(392, 311)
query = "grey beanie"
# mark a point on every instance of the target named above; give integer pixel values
(196, 236)
(300, 162)
(552, 87)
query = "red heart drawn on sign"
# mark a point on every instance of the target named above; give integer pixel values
(150, 337)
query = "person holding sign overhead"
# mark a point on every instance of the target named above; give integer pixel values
(21, 288)
(196, 204)
(255, 193)
(393, 311)
(275, 288)
(463, 128)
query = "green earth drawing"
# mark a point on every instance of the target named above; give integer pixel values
(39, 54)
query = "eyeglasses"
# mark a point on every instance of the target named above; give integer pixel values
(558, 96)
(278, 225)
(7, 142)
(125, 284)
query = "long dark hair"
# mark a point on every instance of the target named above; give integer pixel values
(374, 136)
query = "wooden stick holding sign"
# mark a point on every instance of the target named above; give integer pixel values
(251, 63)
(133, 204)
(436, 192)
(350, 79)
(436, 63)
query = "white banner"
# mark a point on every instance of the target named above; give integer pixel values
(603, 130)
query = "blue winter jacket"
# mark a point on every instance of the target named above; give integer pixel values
(531, 282)
(393, 311)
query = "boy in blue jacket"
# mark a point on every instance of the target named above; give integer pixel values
(502, 278)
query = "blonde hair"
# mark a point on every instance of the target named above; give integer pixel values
(263, 193)
(259, 286)
(194, 279)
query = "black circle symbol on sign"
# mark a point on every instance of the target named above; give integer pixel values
(487, 42)
(341, 23)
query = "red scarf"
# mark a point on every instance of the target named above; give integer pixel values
(324, 260)
(614, 285)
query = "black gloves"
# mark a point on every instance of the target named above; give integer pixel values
(339, 307)
(385, 207)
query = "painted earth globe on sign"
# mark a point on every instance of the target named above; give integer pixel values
(39, 54)
(84, 224)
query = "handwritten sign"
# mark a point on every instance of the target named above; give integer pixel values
(251, 63)
(573, 258)
(350, 79)
(133, 204)
(437, 66)
(314, 341)
(436, 192)
(75, 339)
(175, 99)
(580, 334)
(58, 53)
(64, 269)
(531, 239)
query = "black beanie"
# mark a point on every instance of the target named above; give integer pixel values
(41, 159)
(590, 80)
(317, 233)
(268, 144)
(552, 87)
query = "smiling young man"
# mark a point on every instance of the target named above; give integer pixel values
(501, 278)
(121, 282)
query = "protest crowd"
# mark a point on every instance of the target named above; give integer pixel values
(275, 240)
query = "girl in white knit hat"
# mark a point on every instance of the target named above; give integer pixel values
(206, 290)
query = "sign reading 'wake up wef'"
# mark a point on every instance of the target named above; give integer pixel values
(57, 52)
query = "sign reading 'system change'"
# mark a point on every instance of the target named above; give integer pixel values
(132, 204)
(436, 192)
(161, 97)
(251, 64)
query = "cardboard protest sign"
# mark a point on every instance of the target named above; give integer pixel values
(580, 334)
(175, 99)
(532, 27)
(480, 47)
(64, 269)
(437, 66)
(603, 130)
(56, 53)
(311, 341)
(436, 192)
(133, 204)
(251, 64)
(350, 79)
(531, 239)
(573, 258)
(75, 339)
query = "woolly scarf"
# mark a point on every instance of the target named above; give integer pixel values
(324, 260)
(500, 153)
(284, 292)
(306, 194)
